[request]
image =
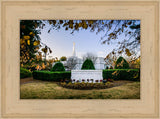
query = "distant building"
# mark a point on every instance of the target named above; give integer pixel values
(99, 64)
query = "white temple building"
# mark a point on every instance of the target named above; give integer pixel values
(99, 63)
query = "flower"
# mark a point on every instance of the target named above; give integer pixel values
(73, 80)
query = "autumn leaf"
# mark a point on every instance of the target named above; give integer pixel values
(26, 37)
(23, 26)
(36, 43)
(50, 50)
(128, 52)
(80, 24)
(44, 50)
(90, 21)
(28, 42)
(30, 33)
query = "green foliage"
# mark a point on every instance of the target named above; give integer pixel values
(111, 67)
(63, 58)
(58, 67)
(24, 73)
(29, 40)
(88, 64)
(86, 86)
(52, 76)
(121, 63)
(107, 67)
(122, 74)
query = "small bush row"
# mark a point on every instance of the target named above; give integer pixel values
(24, 73)
(52, 76)
(86, 86)
(116, 74)
(122, 74)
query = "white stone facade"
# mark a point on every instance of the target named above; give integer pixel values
(99, 64)
(90, 76)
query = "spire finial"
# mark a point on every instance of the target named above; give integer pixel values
(74, 52)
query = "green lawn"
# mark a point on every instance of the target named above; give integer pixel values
(50, 90)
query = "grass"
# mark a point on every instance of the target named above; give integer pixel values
(50, 90)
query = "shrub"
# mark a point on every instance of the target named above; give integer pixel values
(121, 63)
(111, 67)
(58, 67)
(122, 74)
(88, 64)
(24, 73)
(63, 58)
(52, 76)
(86, 86)
(107, 67)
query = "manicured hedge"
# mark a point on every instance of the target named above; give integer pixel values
(58, 67)
(24, 73)
(52, 76)
(88, 65)
(116, 74)
(121, 63)
(122, 74)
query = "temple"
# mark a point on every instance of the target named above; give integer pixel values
(99, 63)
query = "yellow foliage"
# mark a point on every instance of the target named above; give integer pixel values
(90, 21)
(44, 50)
(22, 41)
(28, 42)
(36, 43)
(37, 67)
(26, 37)
(43, 66)
(128, 52)
(30, 33)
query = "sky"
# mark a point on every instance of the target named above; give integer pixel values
(61, 42)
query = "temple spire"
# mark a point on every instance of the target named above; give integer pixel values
(74, 52)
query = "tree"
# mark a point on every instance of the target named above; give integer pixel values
(30, 43)
(29, 40)
(63, 58)
(121, 63)
(71, 62)
(58, 67)
(45, 50)
(107, 67)
(88, 64)
(90, 56)
(112, 29)
(135, 64)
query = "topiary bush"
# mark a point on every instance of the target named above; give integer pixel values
(58, 67)
(24, 73)
(88, 64)
(52, 76)
(121, 63)
(122, 74)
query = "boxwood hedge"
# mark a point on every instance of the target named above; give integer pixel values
(52, 76)
(122, 74)
(116, 74)
(24, 73)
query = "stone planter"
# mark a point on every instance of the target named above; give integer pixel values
(90, 76)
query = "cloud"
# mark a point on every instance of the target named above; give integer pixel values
(101, 54)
